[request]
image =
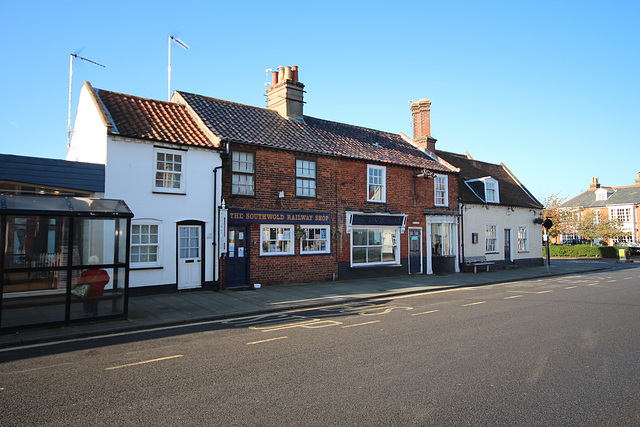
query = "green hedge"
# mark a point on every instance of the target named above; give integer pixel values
(586, 251)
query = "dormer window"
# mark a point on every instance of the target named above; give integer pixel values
(491, 193)
(601, 194)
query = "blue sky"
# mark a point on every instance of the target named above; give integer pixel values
(549, 88)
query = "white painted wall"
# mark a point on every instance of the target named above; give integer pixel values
(130, 176)
(475, 218)
(89, 137)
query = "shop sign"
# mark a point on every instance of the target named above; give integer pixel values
(279, 217)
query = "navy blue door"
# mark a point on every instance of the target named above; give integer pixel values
(237, 263)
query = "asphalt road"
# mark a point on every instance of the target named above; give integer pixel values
(563, 351)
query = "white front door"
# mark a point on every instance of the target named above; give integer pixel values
(189, 266)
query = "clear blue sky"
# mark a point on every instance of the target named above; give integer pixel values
(550, 88)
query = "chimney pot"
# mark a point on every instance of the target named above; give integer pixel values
(286, 94)
(421, 111)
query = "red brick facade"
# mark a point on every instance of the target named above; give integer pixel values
(341, 187)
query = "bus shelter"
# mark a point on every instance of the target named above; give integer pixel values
(65, 260)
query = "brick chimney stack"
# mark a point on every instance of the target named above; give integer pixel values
(638, 178)
(594, 183)
(286, 93)
(421, 111)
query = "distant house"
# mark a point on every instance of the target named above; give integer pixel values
(622, 203)
(498, 214)
(167, 168)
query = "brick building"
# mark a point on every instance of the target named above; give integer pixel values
(307, 199)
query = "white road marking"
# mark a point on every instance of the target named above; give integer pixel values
(267, 340)
(474, 303)
(361, 324)
(144, 362)
(424, 312)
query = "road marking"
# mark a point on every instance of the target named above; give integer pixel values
(474, 303)
(571, 287)
(361, 324)
(424, 312)
(144, 362)
(611, 281)
(309, 324)
(543, 292)
(267, 340)
(514, 296)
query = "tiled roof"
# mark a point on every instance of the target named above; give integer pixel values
(52, 173)
(135, 117)
(240, 123)
(512, 193)
(626, 195)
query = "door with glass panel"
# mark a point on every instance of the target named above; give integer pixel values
(189, 257)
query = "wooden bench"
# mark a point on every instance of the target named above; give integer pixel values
(476, 261)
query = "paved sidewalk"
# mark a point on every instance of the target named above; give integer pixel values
(193, 306)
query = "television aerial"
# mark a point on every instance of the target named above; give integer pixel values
(184, 46)
(76, 56)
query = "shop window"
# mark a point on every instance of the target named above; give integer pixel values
(276, 240)
(315, 240)
(374, 246)
(442, 239)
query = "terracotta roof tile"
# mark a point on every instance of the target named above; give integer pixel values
(150, 119)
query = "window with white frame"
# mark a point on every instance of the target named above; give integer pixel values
(621, 214)
(315, 240)
(491, 238)
(523, 238)
(376, 183)
(145, 243)
(441, 190)
(242, 173)
(276, 240)
(491, 193)
(306, 178)
(169, 171)
(442, 235)
(374, 246)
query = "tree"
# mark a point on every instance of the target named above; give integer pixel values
(594, 225)
(561, 217)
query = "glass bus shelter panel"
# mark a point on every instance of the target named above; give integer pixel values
(39, 243)
(30, 305)
(105, 297)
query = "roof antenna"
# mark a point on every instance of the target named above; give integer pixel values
(184, 46)
(74, 55)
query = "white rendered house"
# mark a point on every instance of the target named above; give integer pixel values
(168, 169)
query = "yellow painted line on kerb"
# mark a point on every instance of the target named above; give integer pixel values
(474, 303)
(361, 324)
(267, 340)
(424, 312)
(514, 296)
(144, 362)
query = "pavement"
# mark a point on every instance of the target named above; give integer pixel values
(152, 311)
